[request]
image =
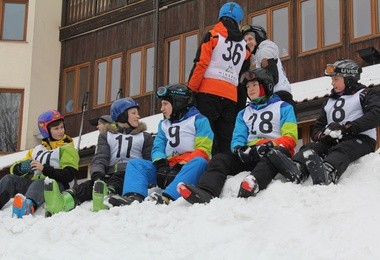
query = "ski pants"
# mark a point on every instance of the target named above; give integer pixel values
(221, 113)
(340, 155)
(224, 164)
(141, 173)
(84, 190)
(11, 185)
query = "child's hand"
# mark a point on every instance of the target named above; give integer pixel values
(36, 166)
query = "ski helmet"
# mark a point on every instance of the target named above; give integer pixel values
(179, 95)
(47, 118)
(232, 10)
(259, 31)
(120, 107)
(346, 68)
(263, 76)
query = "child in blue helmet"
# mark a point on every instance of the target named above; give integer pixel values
(123, 141)
(215, 74)
(181, 151)
(55, 158)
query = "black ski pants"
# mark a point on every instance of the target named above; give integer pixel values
(340, 155)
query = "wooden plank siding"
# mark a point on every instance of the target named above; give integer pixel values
(96, 29)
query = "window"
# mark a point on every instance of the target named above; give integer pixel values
(320, 24)
(180, 53)
(107, 80)
(13, 19)
(11, 105)
(365, 18)
(75, 85)
(140, 71)
(276, 22)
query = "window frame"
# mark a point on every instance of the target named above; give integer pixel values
(320, 29)
(269, 23)
(2, 7)
(107, 98)
(181, 56)
(375, 23)
(76, 96)
(143, 63)
(19, 130)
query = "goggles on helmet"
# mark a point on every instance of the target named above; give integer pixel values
(161, 92)
(246, 28)
(331, 70)
(247, 76)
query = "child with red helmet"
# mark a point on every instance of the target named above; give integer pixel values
(55, 158)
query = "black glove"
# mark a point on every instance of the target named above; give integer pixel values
(334, 126)
(330, 134)
(263, 149)
(162, 169)
(23, 168)
(249, 154)
(350, 129)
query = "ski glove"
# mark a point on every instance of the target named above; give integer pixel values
(332, 133)
(350, 129)
(23, 168)
(249, 154)
(162, 169)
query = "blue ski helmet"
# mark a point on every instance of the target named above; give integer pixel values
(120, 107)
(47, 118)
(232, 10)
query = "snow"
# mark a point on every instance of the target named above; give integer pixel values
(285, 221)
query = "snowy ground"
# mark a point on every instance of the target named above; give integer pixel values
(286, 221)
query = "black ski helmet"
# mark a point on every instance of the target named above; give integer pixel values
(263, 76)
(346, 68)
(259, 31)
(179, 95)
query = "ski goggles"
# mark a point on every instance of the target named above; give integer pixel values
(161, 92)
(246, 28)
(331, 70)
(247, 76)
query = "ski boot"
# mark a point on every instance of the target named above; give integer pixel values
(22, 206)
(193, 194)
(291, 170)
(55, 201)
(248, 187)
(322, 173)
(158, 198)
(114, 200)
(99, 192)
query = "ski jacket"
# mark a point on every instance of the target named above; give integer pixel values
(59, 158)
(360, 107)
(218, 61)
(273, 121)
(117, 146)
(182, 140)
(269, 50)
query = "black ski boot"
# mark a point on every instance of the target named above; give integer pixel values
(248, 187)
(159, 199)
(193, 194)
(291, 170)
(322, 173)
(114, 200)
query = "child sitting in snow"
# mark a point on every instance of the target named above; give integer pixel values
(345, 129)
(264, 131)
(180, 151)
(55, 158)
(116, 146)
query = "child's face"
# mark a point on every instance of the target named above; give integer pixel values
(102, 127)
(166, 108)
(253, 89)
(338, 83)
(133, 117)
(251, 41)
(57, 132)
